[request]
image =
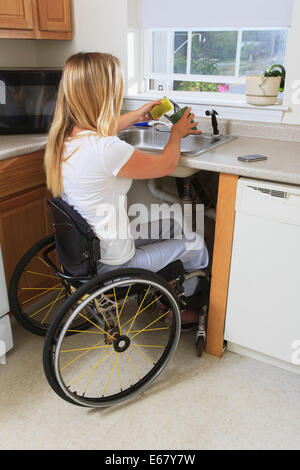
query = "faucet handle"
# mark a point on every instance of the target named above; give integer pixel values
(211, 112)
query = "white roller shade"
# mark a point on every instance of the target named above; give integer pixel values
(216, 13)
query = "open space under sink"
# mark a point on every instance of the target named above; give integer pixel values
(153, 140)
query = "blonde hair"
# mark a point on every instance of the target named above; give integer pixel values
(90, 96)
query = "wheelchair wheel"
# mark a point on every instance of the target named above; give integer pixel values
(35, 291)
(127, 347)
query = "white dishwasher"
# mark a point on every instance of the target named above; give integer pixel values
(6, 341)
(263, 310)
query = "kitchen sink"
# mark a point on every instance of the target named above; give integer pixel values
(153, 140)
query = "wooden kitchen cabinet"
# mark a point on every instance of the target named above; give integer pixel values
(16, 14)
(53, 19)
(221, 263)
(35, 19)
(23, 215)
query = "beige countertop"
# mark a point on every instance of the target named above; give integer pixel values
(282, 165)
(16, 145)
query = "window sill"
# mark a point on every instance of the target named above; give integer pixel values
(235, 108)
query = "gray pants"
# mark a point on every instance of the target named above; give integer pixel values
(164, 245)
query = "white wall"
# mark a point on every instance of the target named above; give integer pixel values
(134, 46)
(98, 25)
(18, 53)
(293, 69)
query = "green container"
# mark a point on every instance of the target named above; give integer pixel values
(178, 115)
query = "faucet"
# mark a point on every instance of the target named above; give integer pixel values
(214, 121)
(161, 123)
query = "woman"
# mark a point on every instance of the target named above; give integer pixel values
(92, 170)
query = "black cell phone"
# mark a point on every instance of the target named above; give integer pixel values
(252, 158)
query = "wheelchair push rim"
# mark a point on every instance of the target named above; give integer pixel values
(133, 350)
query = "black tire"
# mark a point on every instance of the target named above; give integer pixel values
(57, 335)
(200, 345)
(23, 274)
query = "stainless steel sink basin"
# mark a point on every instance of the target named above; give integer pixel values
(154, 140)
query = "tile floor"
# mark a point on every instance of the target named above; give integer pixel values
(232, 403)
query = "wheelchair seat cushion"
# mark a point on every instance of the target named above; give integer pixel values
(77, 246)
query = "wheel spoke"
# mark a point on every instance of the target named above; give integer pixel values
(142, 355)
(148, 346)
(93, 375)
(85, 349)
(85, 331)
(37, 296)
(99, 308)
(103, 331)
(48, 305)
(81, 355)
(43, 261)
(121, 311)
(118, 318)
(51, 308)
(138, 311)
(40, 274)
(149, 325)
(40, 288)
(152, 329)
(109, 379)
(118, 368)
(92, 368)
(129, 359)
(153, 302)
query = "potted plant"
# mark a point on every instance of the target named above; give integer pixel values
(263, 90)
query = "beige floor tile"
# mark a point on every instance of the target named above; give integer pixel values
(232, 403)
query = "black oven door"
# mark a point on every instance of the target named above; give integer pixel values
(27, 100)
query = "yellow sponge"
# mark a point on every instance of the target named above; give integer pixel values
(164, 107)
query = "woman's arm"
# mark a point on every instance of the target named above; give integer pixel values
(143, 165)
(140, 115)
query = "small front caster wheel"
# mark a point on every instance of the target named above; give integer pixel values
(200, 345)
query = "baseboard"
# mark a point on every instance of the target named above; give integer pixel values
(235, 348)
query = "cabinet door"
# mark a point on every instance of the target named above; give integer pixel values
(54, 15)
(23, 221)
(16, 14)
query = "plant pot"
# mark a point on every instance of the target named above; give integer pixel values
(262, 91)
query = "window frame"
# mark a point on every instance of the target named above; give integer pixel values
(232, 79)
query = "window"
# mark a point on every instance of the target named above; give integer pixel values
(210, 59)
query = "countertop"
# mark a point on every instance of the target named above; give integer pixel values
(16, 145)
(283, 164)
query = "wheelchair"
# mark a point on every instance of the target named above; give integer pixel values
(109, 336)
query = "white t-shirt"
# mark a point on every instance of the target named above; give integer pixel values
(92, 187)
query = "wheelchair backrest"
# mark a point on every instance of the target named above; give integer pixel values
(77, 246)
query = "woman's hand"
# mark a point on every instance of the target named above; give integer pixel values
(143, 113)
(140, 115)
(185, 125)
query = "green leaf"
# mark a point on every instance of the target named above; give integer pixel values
(274, 72)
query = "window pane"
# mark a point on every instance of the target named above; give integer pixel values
(261, 49)
(160, 54)
(214, 52)
(207, 87)
(180, 52)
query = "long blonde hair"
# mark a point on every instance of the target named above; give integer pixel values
(90, 96)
